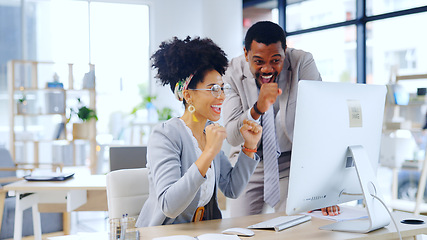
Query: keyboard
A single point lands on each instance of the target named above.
(281, 223)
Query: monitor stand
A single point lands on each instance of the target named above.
(378, 216)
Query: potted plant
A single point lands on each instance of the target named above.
(84, 129)
(164, 113)
(147, 102)
(150, 113)
(22, 105)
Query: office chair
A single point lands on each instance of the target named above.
(127, 191)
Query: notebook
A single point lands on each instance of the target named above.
(207, 236)
(49, 177)
(346, 213)
(281, 223)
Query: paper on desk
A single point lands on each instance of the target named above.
(207, 236)
(82, 236)
(347, 213)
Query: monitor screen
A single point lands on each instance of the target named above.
(125, 157)
(334, 123)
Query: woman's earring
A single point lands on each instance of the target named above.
(192, 109)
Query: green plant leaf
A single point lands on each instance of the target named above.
(84, 113)
(137, 107)
(164, 113)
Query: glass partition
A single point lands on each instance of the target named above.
(334, 52)
(313, 13)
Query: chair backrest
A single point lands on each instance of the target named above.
(6, 162)
(124, 157)
(127, 191)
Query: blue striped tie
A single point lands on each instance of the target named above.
(270, 155)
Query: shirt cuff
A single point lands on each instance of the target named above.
(251, 118)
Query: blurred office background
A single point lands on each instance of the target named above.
(357, 41)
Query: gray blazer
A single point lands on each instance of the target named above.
(299, 65)
(175, 180)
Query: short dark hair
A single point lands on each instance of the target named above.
(265, 32)
(178, 59)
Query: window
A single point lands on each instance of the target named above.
(113, 36)
(395, 48)
(334, 52)
(367, 46)
(266, 11)
(402, 59)
(120, 52)
(313, 13)
(375, 7)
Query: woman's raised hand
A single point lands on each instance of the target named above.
(215, 136)
(251, 132)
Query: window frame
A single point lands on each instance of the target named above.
(360, 22)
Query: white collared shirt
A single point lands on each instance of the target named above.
(207, 188)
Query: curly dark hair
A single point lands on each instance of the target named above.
(177, 59)
(265, 32)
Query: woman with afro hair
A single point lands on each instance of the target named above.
(185, 162)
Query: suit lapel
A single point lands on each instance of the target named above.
(285, 82)
(251, 90)
(249, 86)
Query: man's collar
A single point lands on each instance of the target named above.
(287, 63)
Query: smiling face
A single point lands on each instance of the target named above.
(207, 106)
(265, 61)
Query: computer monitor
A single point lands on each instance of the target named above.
(125, 157)
(336, 148)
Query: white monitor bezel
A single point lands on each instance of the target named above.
(324, 130)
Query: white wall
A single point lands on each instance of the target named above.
(220, 20)
(222, 23)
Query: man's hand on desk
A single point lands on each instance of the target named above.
(331, 211)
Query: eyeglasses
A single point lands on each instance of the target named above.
(216, 89)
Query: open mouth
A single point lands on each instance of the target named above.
(266, 78)
(216, 108)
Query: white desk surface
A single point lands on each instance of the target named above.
(308, 230)
(79, 193)
(86, 182)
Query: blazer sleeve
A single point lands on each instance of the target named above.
(233, 111)
(308, 69)
(233, 180)
(174, 188)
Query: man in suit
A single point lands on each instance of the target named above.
(265, 77)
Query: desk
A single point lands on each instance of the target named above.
(80, 193)
(307, 230)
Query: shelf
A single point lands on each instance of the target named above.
(407, 205)
(46, 108)
(39, 89)
(52, 89)
(81, 89)
(410, 117)
(41, 140)
(37, 114)
(413, 165)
